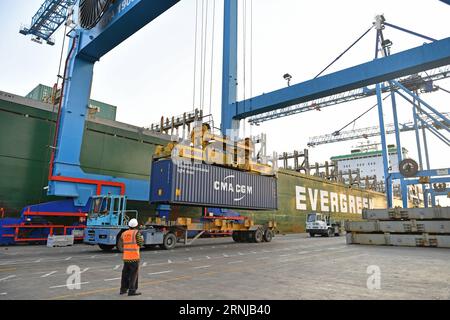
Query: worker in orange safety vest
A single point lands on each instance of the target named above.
(132, 241)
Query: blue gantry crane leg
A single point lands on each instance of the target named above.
(50, 16)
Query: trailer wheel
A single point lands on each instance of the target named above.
(268, 235)
(170, 241)
(258, 236)
(236, 236)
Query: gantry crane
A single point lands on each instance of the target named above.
(104, 24)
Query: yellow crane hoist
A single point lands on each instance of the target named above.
(211, 148)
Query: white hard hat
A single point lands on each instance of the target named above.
(133, 223)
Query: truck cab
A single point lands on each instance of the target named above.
(107, 219)
(322, 224)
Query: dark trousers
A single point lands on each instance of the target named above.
(130, 275)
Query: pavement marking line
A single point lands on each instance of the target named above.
(87, 293)
(116, 267)
(303, 252)
(84, 270)
(38, 260)
(7, 278)
(190, 259)
(161, 272)
(71, 284)
(3, 293)
(153, 282)
(234, 262)
(169, 261)
(225, 255)
(202, 267)
(6, 270)
(113, 279)
(68, 258)
(48, 274)
(208, 257)
(144, 264)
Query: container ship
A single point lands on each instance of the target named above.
(107, 144)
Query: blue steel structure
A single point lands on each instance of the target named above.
(382, 69)
(424, 80)
(66, 178)
(121, 20)
(50, 16)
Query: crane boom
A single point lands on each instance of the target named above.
(50, 16)
(419, 81)
(365, 133)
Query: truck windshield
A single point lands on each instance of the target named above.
(311, 217)
(99, 207)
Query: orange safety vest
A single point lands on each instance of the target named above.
(130, 246)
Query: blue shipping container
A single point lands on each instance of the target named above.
(198, 184)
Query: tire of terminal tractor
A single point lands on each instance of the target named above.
(312, 234)
(106, 247)
(170, 241)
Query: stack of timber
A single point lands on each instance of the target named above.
(414, 227)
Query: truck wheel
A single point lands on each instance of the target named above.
(170, 241)
(268, 235)
(330, 233)
(311, 234)
(236, 236)
(106, 247)
(258, 236)
(119, 244)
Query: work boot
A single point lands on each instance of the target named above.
(134, 293)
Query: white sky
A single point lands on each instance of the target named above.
(152, 73)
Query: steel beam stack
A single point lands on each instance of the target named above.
(415, 227)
